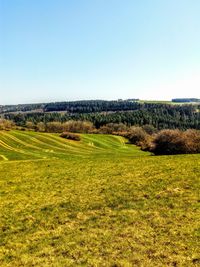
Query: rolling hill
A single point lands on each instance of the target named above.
(19, 145)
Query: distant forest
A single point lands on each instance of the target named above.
(100, 112)
(186, 100)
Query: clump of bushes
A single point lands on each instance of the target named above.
(6, 125)
(41, 127)
(169, 142)
(165, 142)
(30, 125)
(54, 127)
(136, 135)
(69, 126)
(78, 126)
(193, 141)
(172, 142)
(70, 136)
(112, 128)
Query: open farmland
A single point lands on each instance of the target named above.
(97, 202)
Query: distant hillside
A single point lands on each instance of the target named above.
(186, 100)
(21, 108)
(161, 116)
(83, 106)
(89, 106)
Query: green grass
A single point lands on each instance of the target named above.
(98, 202)
(18, 145)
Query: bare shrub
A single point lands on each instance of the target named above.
(137, 135)
(6, 124)
(30, 125)
(169, 142)
(112, 128)
(78, 126)
(146, 144)
(192, 139)
(54, 127)
(41, 127)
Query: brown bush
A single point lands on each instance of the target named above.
(149, 129)
(146, 144)
(112, 128)
(137, 136)
(41, 127)
(6, 124)
(30, 125)
(70, 136)
(169, 142)
(192, 139)
(78, 126)
(54, 127)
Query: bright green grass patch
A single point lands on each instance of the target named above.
(30, 145)
(98, 202)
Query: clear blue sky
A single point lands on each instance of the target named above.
(55, 50)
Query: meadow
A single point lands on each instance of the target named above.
(95, 202)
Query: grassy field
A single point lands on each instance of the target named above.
(97, 202)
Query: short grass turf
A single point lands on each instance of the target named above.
(98, 202)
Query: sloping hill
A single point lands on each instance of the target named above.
(18, 145)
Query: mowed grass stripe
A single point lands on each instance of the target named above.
(70, 149)
(94, 141)
(10, 145)
(19, 141)
(45, 145)
(21, 146)
(73, 147)
(77, 146)
(49, 145)
(47, 148)
(104, 142)
(48, 138)
(18, 144)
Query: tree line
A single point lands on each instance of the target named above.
(161, 116)
(90, 106)
(164, 142)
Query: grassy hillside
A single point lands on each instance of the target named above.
(19, 145)
(97, 202)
